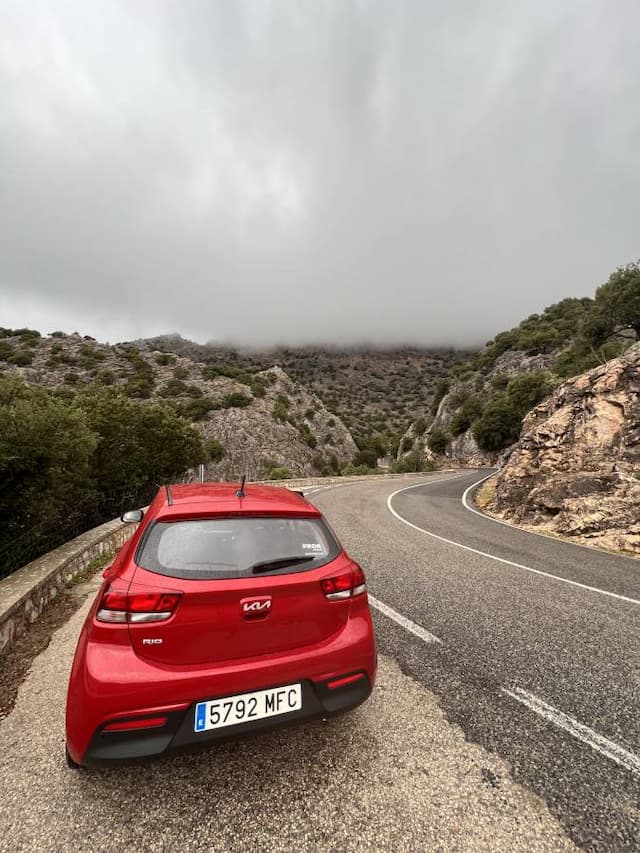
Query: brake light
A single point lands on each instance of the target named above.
(345, 585)
(137, 607)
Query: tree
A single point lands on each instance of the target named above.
(619, 299)
(46, 448)
(498, 426)
(138, 443)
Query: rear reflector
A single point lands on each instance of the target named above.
(342, 682)
(140, 723)
(346, 585)
(137, 607)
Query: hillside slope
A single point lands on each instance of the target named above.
(478, 416)
(576, 469)
(265, 423)
(371, 390)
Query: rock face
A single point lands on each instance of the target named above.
(255, 441)
(576, 468)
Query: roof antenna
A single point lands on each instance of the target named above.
(240, 493)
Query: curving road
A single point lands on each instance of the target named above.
(530, 646)
(539, 652)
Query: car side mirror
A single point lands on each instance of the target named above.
(133, 516)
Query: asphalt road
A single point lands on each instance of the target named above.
(440, 758)
(568, 655)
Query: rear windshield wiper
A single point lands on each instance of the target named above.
(276, 564)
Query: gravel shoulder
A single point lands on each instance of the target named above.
(392, 775)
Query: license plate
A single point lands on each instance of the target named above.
(233, 710)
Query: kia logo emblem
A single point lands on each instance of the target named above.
(259, 606)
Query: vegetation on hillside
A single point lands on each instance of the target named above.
(573, 336)
(62, 454)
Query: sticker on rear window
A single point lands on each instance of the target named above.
(312, 546)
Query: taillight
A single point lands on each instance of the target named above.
(137, 606)
(345, 585)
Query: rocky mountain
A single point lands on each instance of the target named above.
(576, 468)
(371, 390)
(477, 417)
(256, 421)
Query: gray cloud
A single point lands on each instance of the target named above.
(313, 171)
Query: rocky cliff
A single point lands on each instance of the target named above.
(576, 469)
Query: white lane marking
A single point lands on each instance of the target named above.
(501, 559)
(407, 624)
(578, 730)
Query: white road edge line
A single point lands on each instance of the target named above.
(578, 730)
(595, 589)
(405, 623)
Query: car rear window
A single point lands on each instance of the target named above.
(236, 547)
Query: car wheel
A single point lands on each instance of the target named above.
(71, 764)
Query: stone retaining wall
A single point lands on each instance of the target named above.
(26, 592)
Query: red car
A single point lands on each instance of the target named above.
(230, 610)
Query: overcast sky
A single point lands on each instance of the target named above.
(404, 171)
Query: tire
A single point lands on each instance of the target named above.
(71, 764)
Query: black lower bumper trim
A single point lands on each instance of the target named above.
(318, 700)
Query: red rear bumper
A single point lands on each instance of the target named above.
(110, 682)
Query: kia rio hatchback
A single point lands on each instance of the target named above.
(229, 611)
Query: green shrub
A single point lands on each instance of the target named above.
(139, 386)
(279, 473)
(106, 377)
(367, 458)
(164, 358)
(6, 350)
(180, 372)
(498, 426)
(174, 388)
(406, 444)
(236, 400)
(214, 450)
(420, 426)
(438, 441)
(22, 358)
(196, 410)
(412, 462)
(71, 378)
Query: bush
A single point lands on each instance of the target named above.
(105, 377)
(437, 442)
(6, 351)
(498, 426)
(367, 458)
(213, 450)
(281, 408)
(236, 400)
(279, 473)
(164, 358)
(174, 388)
(139, 386)
(180, 372)
(406, 444)
(420, 426)
(22, 358)
(412, 462)
(196, 410)
(470, 411)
